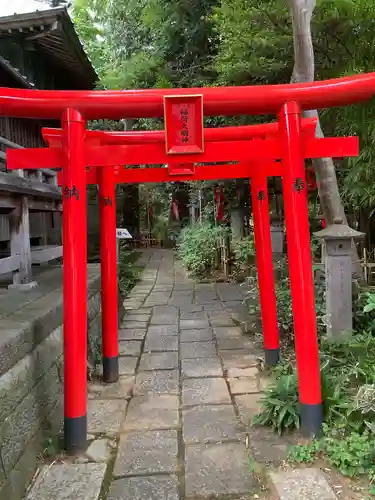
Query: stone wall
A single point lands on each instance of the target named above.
(31, 384)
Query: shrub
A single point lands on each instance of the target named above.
(352, 453)
(348, 392)
(284, 300)
(128, 271)
(244, 251)
(198, 246)
(364, 312)
(280, 405)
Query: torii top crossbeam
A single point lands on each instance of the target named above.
(260, 99)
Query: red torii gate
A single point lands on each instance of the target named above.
(289, 146)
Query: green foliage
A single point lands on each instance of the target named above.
(348, 392)
(255, 41)
(280, 405)
(347, 374)
(352, 453)
(370, 305)
(244, 251)
(128, 271)
(197, 248)
(364, 312)
(53, 445)
(148, 43)
(306, 452)
(256, 46)
(284, 300)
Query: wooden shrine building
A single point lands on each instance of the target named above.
(39, 50)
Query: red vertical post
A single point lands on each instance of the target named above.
(300, 270)
(266, 278)
(75, 282)
(108, 259)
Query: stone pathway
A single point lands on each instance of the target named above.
(176, 425)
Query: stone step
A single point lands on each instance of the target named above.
(62, 481)
(302, 484)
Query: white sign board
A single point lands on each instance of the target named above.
(123, 234)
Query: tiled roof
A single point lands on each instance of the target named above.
(22, 7)
(53, 32)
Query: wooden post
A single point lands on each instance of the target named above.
(20, 244)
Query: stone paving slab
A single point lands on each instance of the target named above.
(165, 311)
(243, 385)
(196, 391)
(237, 343)
(129, 324)
(213, 307)
(100, 450)
(220, 469)
(137, 317)
(267, 447)
(160, 330)
(196, 335)
(221, 321)
(239, 364)
(164, 319)
(105, 415)
(206, 424)
(195, 350)
(204, 367)
(130, 348)
(68, 481)
(190, 308)
(248, 406)
(153, 411)
(144, 488)
(159, 361)
(120, 390)
(131, 334)
(157, 382)
(227, 331)
(193, 324)
(193, 315)
(144, 453)
(161, 343)
(127, 365)
(302, 484)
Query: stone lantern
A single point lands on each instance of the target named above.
(337, 239)
(277, 235)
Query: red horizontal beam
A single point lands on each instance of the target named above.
(258, 99)
(201, 173)
(53, 136)
(257, 149)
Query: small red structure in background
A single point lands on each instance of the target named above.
(219, 203)
(291, 140)
(311, 179)
(175, 210)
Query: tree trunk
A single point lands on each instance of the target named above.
(301, 12)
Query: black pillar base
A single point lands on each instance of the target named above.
(110, 370)
(271, 357)
(311, 420)
(75, 434)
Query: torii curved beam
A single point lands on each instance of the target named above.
(259, 99)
